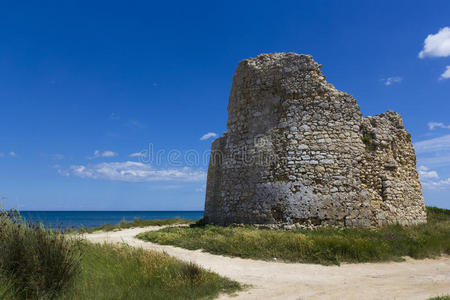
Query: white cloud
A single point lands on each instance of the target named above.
(440, 184)
(391, 80)
(433, 125)
(13, 154)
(433, 145)
(137, 154)
(434, 153)
(129, 171)
(107, 153)
(430, 179)
(446, 74)
(425, 173)
(208, 136)
(437, 45)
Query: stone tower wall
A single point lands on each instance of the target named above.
(298, 150)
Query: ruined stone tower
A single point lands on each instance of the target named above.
(298, 150)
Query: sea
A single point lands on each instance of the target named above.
(89, 219)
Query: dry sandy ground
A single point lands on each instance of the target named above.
(412, 279)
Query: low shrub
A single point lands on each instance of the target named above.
(39, 263)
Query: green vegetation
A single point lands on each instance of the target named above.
(138, 222)
(368, 141)
(122, 272)
(323, 245)
(440, 298)
(36, 263)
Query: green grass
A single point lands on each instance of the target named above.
(122, 272)
(440, 298)
(323, 246)
(136, 223)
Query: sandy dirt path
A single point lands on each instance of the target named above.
(412, 279)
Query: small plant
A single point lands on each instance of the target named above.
(368, 141)
(39, 263)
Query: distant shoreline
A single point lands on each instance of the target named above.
(90, 218)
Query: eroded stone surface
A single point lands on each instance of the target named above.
(298, 150)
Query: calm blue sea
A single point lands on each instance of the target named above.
(77, 219)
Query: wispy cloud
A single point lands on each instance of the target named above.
(435, 159)
(61, 171)
(129, 171)
(391, 80)
(114, 117)
(135, 124)
(434, 152)
(107, 153)
(433, 145)
(425, 173)
(433, 125)
(208, 136)
(137, 154)
(440, 184)
(57, 156)
(430, 179)
(437, 45)
(446, 74)
(10, 154)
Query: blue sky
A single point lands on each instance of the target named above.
(85, 86)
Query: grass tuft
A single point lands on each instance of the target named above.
(324, 245)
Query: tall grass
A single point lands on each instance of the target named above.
(121, 272)
(35, 263)
(323, 246)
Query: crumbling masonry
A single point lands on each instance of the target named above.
(297, 151)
